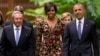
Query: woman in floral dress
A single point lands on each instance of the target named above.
(49, 39)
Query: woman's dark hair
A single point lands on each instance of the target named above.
(1, 18)
(48, 6)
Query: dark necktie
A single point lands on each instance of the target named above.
(17, 36)
(79, 29)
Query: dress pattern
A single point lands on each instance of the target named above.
(49, 41)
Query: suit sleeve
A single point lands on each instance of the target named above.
(2, 43)
(32, 44)
(95, 40)
(66, 42)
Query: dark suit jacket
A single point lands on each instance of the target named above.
(25, 46)
(73, 46)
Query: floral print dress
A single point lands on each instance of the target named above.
(49, 41)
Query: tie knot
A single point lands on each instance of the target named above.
(79, 21)
(17, 28)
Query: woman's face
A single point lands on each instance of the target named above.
(51, 13)
(67, 20)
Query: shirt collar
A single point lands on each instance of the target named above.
(82, 20)
(17, 27)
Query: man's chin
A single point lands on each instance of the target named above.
(79, 17)
(18, 25)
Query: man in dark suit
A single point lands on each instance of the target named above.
(21, 9)
(17, 39)
(80, 35)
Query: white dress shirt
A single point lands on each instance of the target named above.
(20, 28)
(82, 24)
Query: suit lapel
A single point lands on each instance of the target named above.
(11, 35)
(75, 28)
(23, 35)
(85, 28)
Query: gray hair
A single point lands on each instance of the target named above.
(16, 12)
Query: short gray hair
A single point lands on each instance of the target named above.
(16, 12)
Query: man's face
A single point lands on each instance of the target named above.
(18, 19)
(79, 11)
